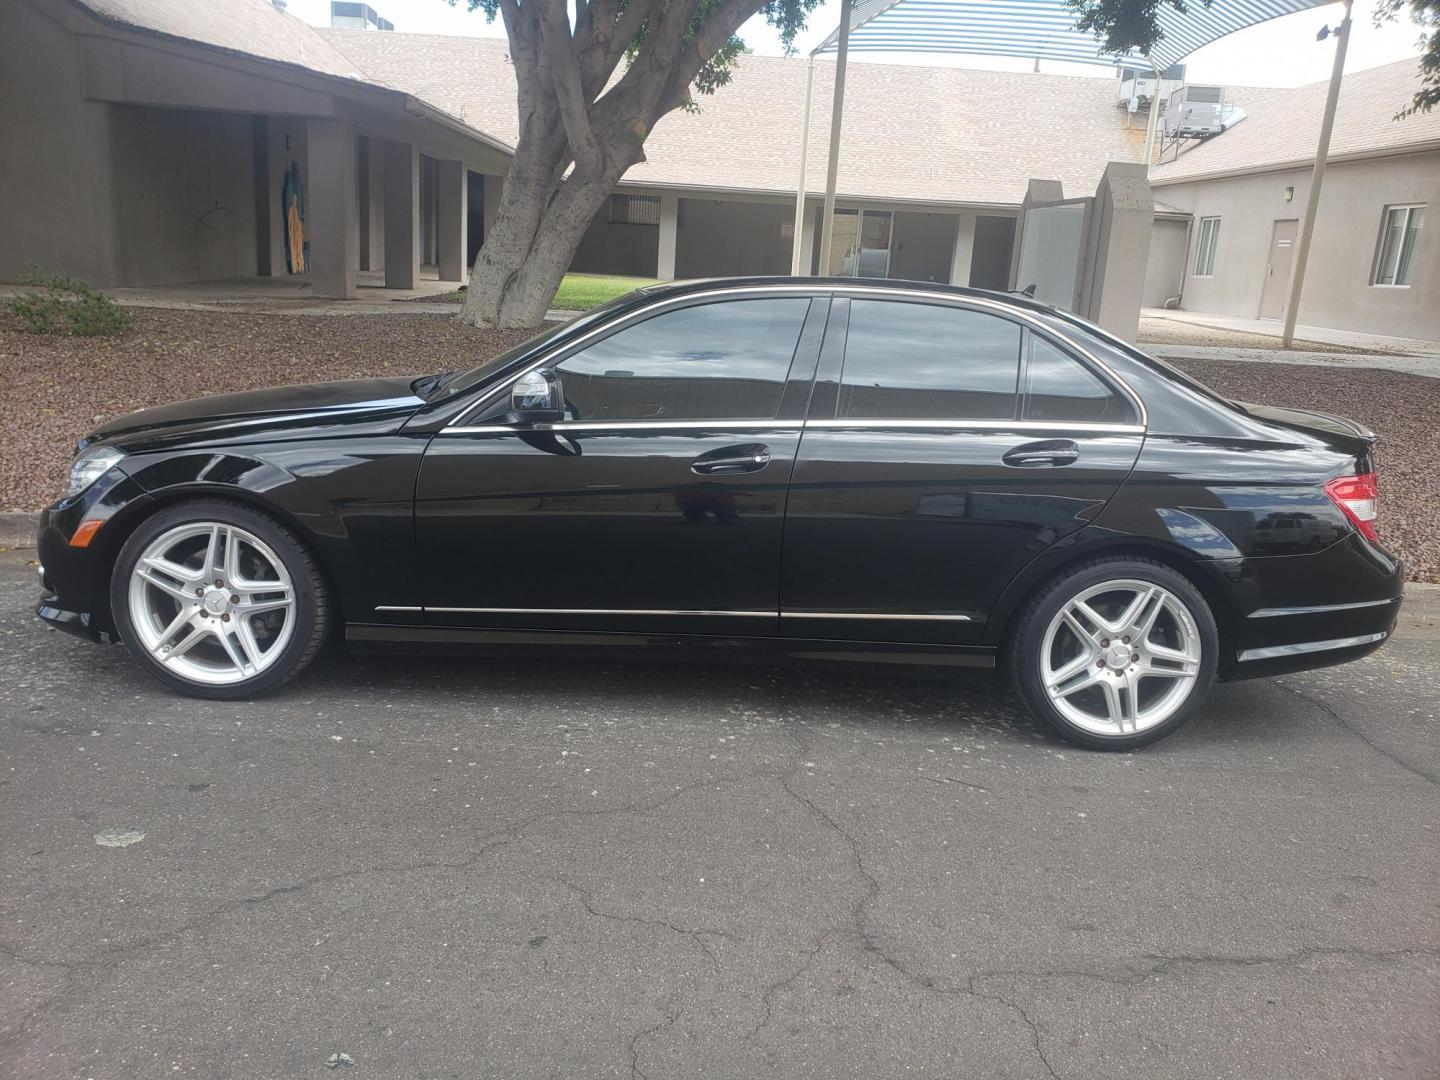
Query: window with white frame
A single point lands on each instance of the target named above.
(1205, 242)
(634, 209)
(1399, 237)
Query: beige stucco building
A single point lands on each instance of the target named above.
(161, 141)
(1372, 265)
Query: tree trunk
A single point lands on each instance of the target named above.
(538, 226)
(568, 126)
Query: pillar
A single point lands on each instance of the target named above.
(373, 255)
(451, 217)
(669, 230)
(402, 215)
(260, 161)
(331, 213)
(964, 250)
(1120, 248)
(807, 240)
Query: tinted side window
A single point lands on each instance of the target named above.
(922, 361)
(713, 361)
(1059, 387)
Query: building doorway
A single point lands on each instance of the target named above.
(861, 244)
(1276, 292)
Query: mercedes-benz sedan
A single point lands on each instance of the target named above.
(760, 468)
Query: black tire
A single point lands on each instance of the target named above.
(1027, 641)
(311, 608)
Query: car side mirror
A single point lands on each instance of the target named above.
(537, 398)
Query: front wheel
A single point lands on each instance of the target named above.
(218, 600)
(1115, 653)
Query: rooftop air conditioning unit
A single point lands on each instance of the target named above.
(1139, 85)
(1195, 112)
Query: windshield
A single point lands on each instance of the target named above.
(455, 382)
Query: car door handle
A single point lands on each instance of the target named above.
(732, 459)
(1048, 453)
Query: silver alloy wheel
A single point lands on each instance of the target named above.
(212, 602)
(1120, 657)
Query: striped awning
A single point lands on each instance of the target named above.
(1042, 29)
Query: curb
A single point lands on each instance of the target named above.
(17, 529)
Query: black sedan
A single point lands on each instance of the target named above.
(760, 468)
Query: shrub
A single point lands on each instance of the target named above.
(67, 305)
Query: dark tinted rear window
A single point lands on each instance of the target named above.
(1060, 387)
(924, 361)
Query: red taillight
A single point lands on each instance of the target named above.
(1358, 498)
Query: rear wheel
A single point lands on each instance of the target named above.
(1115, 653)
(218, 600)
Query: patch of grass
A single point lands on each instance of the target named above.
(68, 306)
(581, 292)
(578, 292)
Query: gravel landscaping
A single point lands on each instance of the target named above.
(52, 390)
(1179, 332)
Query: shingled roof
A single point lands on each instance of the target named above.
(1282, 127)
(912, 134)
(252, 27)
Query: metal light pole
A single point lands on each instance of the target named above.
(797, 246)
(1153, 126)
(837, 109)
(1312, 201)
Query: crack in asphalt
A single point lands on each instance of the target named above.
(672, 1014)
(695, 934)
(811, 955)
(871, 942)
(109, 957)
(1348, 726)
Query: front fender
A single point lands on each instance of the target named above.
(350, 500)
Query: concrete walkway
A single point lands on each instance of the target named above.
(1270, 328)
(292, 296)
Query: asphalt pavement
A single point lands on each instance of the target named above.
(463, 868)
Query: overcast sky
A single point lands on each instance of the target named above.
(1282, 52)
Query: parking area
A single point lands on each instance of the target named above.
(454, 867)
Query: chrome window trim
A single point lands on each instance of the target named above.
(633, 425)
(831, 291)
(797, 425)
(1302, 647)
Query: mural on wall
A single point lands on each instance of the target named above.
(297, 248)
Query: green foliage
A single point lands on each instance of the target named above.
(787, 16)
(65, 305)
(1123, 25)
(1426, 15)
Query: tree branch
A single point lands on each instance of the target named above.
(564, 77)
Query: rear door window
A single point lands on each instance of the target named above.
(907, 361)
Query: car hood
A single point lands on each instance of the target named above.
(261, 412)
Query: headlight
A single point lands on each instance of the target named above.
(89, 467)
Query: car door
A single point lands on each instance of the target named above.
(656, 504)
(948, 444)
